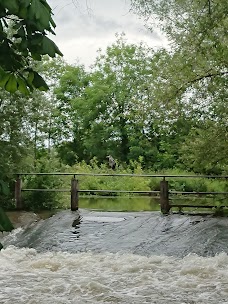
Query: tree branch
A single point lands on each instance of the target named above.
(200, 77)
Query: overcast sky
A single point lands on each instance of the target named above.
(84, 26)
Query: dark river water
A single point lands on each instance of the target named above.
(116, 257)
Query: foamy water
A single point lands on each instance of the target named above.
(29, 277)
(112, 257)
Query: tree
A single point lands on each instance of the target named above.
(24, 26)
(27, 122)
(205, 149)
(195, 74)
(197, 34)
(111, 110)
(27, 130)
(125, 113)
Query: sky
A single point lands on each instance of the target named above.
(84, 26)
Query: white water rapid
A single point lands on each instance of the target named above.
(116, 258)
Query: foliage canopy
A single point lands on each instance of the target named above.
(197, 33)
(24, 26)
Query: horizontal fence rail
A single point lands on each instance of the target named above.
(195, 206)
(196, 192)
(126, 174)
(94, 190)
(164, 192)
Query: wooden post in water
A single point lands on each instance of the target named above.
(18, 198)
(164, 196)
(74, 194)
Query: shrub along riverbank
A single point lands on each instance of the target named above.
(52, 200)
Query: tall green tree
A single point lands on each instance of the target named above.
(27, 122)
(204, 150)
(125, 112)
(197, 34)
(197, 68)
(111, 109)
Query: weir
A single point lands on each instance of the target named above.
(164, 193)
(116, 257)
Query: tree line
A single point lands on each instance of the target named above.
(163, 108)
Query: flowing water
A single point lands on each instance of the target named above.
(115, 257)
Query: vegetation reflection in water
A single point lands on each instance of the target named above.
(145, 203)
(120, 203)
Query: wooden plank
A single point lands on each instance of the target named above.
(18, 197)
(74, 194)
(164, 197)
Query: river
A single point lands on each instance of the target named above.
(92, 256)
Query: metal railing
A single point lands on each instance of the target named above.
(164, 192)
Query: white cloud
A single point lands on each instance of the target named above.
(84, 26)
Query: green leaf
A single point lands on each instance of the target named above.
(11, 85)
(49, 47)
(41, 13)
(30, 77)
(4, 188)
(52, 22)
(57, 50)
(44, 2)
(36, 57)
(36, 39)
(44, 17)
(21, 32)
(5, 222)
(23, 12)
(24, 45)
(1, 27)
(22, 86)
(4, 79)
(2, 12)
(11, 5)
(25, 3)
(39, 83)
(32, 10)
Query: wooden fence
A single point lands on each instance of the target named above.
(164, 192)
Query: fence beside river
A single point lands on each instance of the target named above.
(163, 193)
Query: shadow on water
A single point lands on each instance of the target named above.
(76, 224)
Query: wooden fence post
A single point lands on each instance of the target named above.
(74, 194)
(18, 198)
(164, 196)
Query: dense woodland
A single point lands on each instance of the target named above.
(151, 109)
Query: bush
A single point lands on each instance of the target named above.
(7, 192)
(51, 200)
(41, 200)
